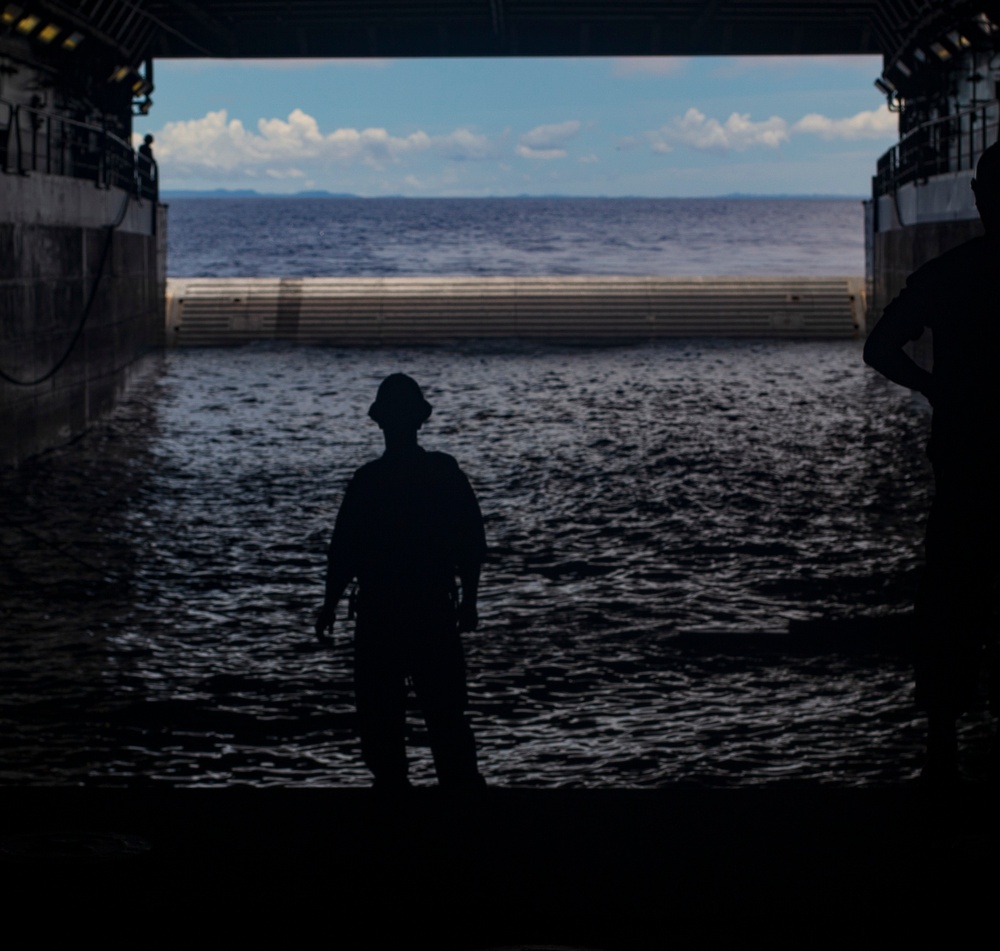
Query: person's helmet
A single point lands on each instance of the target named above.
(400, 401)
(148, 139)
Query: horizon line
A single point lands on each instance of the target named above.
(322, 193)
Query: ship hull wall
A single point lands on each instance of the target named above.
(55, 259)
(898, 253)
(913, 225)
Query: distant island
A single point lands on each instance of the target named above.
(171, 193)
(247, 193)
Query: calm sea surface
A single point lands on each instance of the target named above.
(668, 524)
(301, 237)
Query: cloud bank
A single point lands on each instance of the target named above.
(217, 148)
(874, 124)
(738, 133)
(217, 144)
(547, 141)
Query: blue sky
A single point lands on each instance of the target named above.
(656, 127)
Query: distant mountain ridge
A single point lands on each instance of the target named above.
(247, 193)
(170, 193)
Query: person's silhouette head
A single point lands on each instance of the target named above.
(399, 404)
(986, 186)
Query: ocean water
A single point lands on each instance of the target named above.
(697, 547)
(667, 526)
(302, 237)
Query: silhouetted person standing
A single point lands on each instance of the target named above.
(408, 524)
(146, 167)
(957, 297)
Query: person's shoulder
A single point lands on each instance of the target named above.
(368, 471)
(441, 461)
(440, 458)
(964, 257)
(443, 467)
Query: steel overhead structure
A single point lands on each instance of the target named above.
(131, 31)
(136, 30)
(392, 28)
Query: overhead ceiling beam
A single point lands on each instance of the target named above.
(214, 26)
(497, 16)
(703, 20)
(342, 28)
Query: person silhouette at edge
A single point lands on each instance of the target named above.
(146, 167)
(409, 522)
(957, 297)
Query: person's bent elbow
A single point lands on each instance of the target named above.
(874, 343)
(873, 353)
(882, 351)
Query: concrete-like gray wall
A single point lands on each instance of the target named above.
(53, 233)
(391, 311)
(899, 252)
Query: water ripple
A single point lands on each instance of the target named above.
(658, 516)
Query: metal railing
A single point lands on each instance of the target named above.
(950, 144)
(32, 140)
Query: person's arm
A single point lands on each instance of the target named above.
(337, 581)
(468, 612)
(902, 322)
(472, 552)
(340, 563)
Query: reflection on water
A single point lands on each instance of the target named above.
(644, 505)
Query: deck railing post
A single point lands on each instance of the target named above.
(102, 160)
(20, 151)
(5, 142)
(33, 118)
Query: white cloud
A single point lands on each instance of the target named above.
(649, 65)
(464, 145)
(589, 159)
(695, 130)
(217, 144)
(525, 152)
(872, 124)
(546, 141)
(738, 133)
(550, 136)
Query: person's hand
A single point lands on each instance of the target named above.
(468, 617)
(324, 620)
